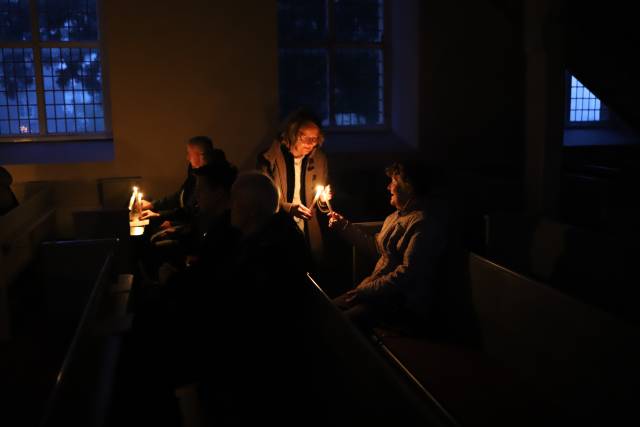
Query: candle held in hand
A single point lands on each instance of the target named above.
(134, 195)
(319, 191)
(139, 207)
(326, 196)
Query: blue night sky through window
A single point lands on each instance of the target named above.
(584, 106)
(68, 98)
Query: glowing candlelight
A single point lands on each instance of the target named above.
(139, 204)
(136, 226)
(133, 197)
(319, 191)
(326, 196)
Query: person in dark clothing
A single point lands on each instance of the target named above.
(172, 325)
(176, 235)
(180, 207)
(8, 200)
(193, 290)
(263, 363)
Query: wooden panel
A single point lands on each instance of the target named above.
(364, 386)
(581, 356)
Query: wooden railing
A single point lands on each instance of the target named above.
(82, 391)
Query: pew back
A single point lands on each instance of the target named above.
(80, 288)
(21, 231)
(364, 387)
(592, 266)
(583, 358)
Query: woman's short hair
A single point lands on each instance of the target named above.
(294, 122)
(412, 176)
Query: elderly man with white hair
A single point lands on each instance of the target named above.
(254, 201)
(261, 301)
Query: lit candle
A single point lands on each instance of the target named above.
(139, 204)
(319, 191)
(133, 197)
(326, 195)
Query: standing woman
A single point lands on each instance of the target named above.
(297, 165)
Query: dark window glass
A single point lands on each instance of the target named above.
(359, 87)
(18, 100)
(303, 81)
(73, 89)
(68, 20)
(358, 20)
(14, 20)
(332, 60)
(302, 20)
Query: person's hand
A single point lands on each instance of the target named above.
(148, 214)
(169, 230)
(146, 205)
(351, 296)
(300, 211)
(165, 225)
(337, 221)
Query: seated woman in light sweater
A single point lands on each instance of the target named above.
(410, 247)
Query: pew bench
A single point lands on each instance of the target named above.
(59, 365)
(583, 358)
(592, 266)
(546, 359)
(21, 232)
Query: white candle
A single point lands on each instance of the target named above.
(139, 203)
(319, 191)
(327, 197)
(133, 197)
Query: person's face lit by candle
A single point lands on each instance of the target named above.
(308, 138)
(400, 194)
(195, 156)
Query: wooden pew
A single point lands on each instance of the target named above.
(475, 388)
(63, 356)
(363, 388)
(585, 360)
(21, 231)
(594, 267)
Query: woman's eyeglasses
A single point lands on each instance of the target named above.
(307, 139)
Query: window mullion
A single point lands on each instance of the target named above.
(331, 61)
(37, 61)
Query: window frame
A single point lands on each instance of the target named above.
(605, 120)
(36, 45)
(331, 46)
